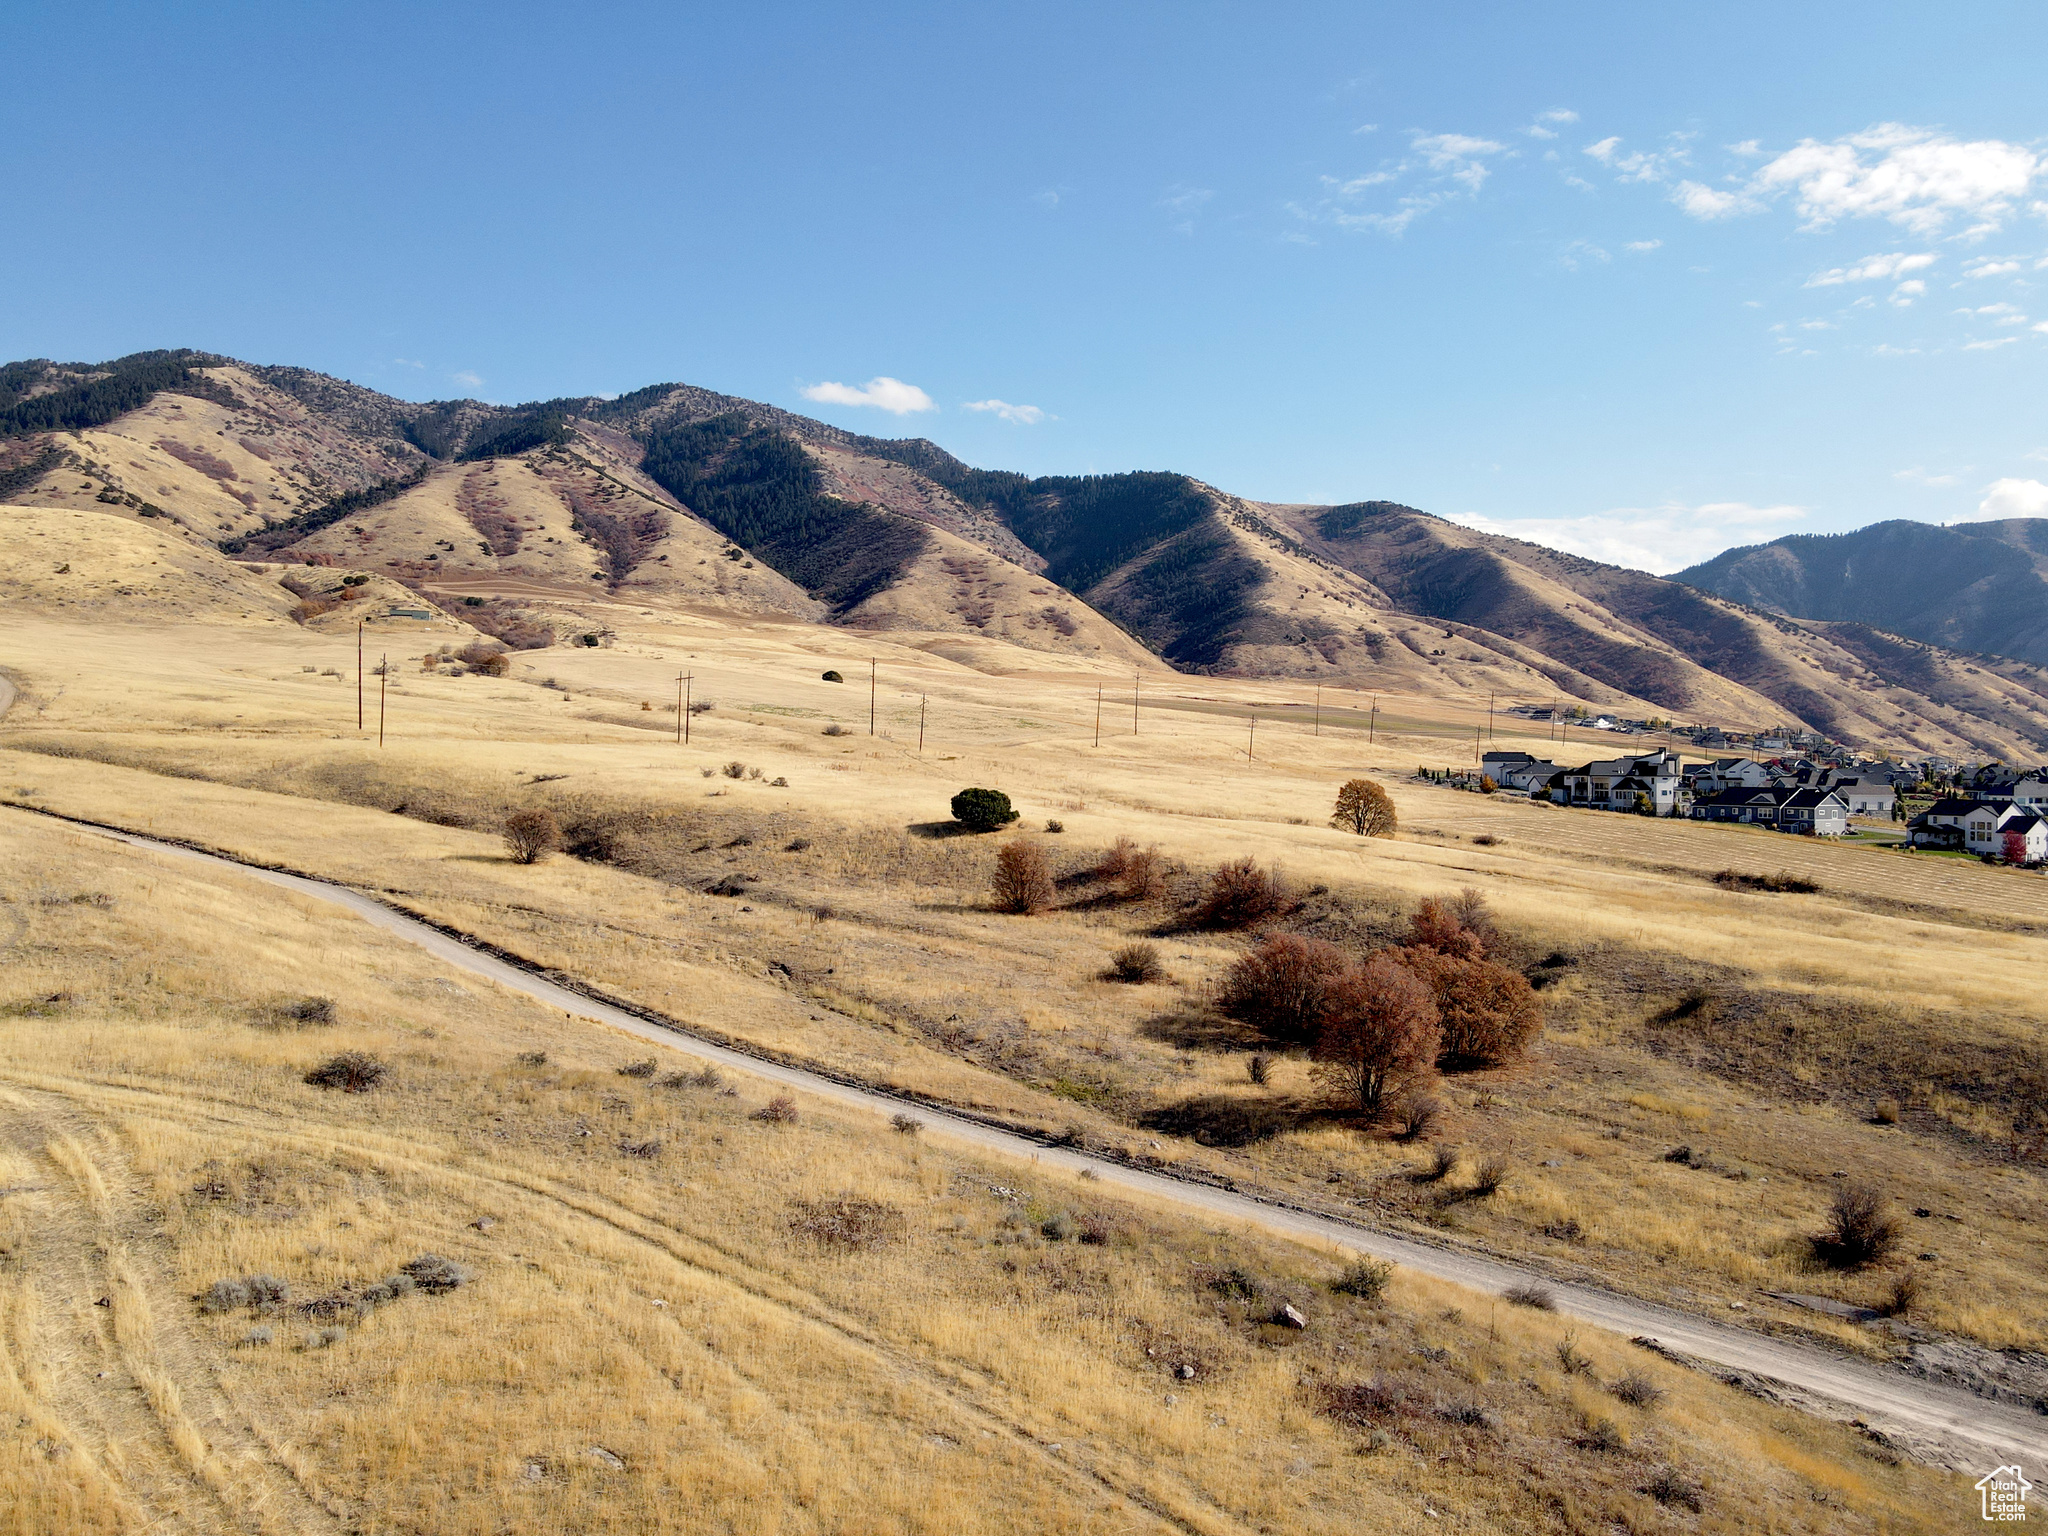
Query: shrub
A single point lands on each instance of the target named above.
(350, 1071)
(1138, 874)
(224, 1296)
(430, 1272)
(1638, 1391)
(1379, 1034)
(982, 810)
(1237, 1284)
(1367, 1280)
(532, 1058)
(833, 677)
(1492, 1173)
(1886, 1112)
(532, 834)
(641, 1149)
(1903, 1296)
(1487, 786)
(1136, 964)
(638, 1068)
(846, 1222)
(1281, 986)
(1055, 827)
(1784, 882)
(908, 1125)
(1470, 908)
(706, 1076)
(1419, 1117)
(734, 770)
(1528, 1294)
(1489, 1014)
(1259, 1068)
(780, 1110)
(1023, 878)
(1365, 808)
(1058, 1227)
(1241, 894)
(1671, 1486)
(1569, 1360)
(1436, 926)
(1861, 1228)
(487, 659)
(836, 729)
(304, 1011)
(1442, 1164)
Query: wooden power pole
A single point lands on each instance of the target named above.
(359, 674)
(1251, 740)
(1319, 709)
(920, 724)
(383, 683)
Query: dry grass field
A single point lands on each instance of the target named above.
(821, 908)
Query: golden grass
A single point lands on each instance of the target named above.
(647, 1344)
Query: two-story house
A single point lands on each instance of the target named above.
(1622, 783)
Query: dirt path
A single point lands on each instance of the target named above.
(1888, 1397)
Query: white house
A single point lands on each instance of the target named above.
(1866, 797)
(1730, 773)
(1986, 827)
(1615, 783)
(2031, 792)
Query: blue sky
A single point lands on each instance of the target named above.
(1634, 282)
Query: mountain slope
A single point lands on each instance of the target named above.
(1978, 587)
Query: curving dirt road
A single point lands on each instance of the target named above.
(1891, 1398)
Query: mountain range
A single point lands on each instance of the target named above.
(675, 494)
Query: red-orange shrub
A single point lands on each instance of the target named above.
(1379, 1036)
(1489, 1014)
(1280, 987)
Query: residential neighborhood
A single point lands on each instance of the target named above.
(1989, 811)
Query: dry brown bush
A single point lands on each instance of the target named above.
(487, 659)
(847, 1222)
(1136, 964)
(1489, 1014)
(1242, 895)
(1136, 874)
(1023, 879)
(350, 1071)
(1861, 1228)
(1379, 1033)
(780, 1110)
(532, 834)
(1281, 986)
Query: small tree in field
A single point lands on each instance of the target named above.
(1365, 808)
(1379, 1037)
(1437, 926)
(1242, 894)
(531, 835)
(983, 810)
(1280, 987)
(1023, 881)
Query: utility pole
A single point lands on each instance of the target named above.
(689, 699)
(871, 696)
(1475, 743)
(1489, 717)
(383, 683)
(1319, 709)
(1098, 714)
(1251, 740)
(1372, 721)
(920, 725)
(359, 674)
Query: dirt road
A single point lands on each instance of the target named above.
(1887, 1397)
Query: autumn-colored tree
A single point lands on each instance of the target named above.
(1023, 881)
(1489, 1014)
(532, 834)
(1437, 927)
(1365, 808)
(1379, 1038)
(1280, 986)
(2015, 847)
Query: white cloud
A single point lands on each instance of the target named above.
(1914, 177)
(883, 393)
(1579, 252)
(2014, 498)
(1367, 128)
(1988, 346)
(1048, 199)
(1920, 477)
(2042, 327)
(1542, 128)
(406, 362)
(1872, 269)
(1016, 415)
(1704, 202)
(1459, 156)
(2003, 314)
(474, 381)
(1185, 199)
(1908, 291)
(1639, 164)
(1643, 247)
(1661, 539)
(1990, 266)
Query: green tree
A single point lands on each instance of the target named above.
(982, 810)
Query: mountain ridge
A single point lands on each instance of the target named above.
(682, 494)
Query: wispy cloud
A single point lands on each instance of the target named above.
(465, 377)
(1047, 199)
(1873, 269)
(1440, 166)
(1921, 477)
(1016, 415)
(1643, 247)
(1181, 199)
(882, 392)
(2014, 498)
(406, 362)
(1582, 253)
(1639, 164)
(1547, 123)
(1990, 266)
(1660, 539)
(1989, 346)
